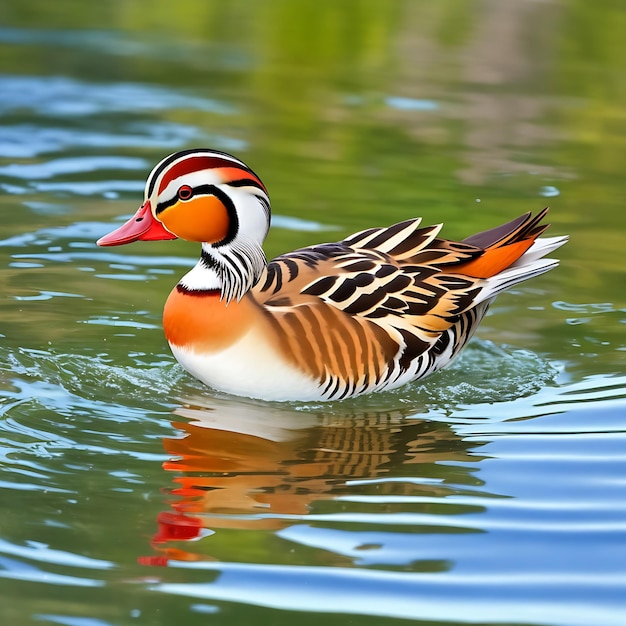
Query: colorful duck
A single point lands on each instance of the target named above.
(374, 311)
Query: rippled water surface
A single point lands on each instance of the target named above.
(492, 493)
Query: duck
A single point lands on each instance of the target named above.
(379, 309)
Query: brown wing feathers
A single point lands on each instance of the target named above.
(365, 310)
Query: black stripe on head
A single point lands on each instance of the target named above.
(200, 190)
(245, 182)
(223, 197)
(233, 218)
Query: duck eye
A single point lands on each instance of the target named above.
(185, 192)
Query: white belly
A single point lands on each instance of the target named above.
(251, 367)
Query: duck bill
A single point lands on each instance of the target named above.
(140, 227)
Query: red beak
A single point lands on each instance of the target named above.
(140, 227)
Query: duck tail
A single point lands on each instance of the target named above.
(513, 252)
(514, 244)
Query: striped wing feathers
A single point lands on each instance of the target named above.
(392, 274)
(360, 312)
(389, 305)
(405, 240)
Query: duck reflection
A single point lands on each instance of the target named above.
(248, 465)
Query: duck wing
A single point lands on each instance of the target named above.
(387, 305)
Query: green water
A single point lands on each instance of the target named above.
(493, 493)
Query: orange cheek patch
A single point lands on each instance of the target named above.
(200, 219)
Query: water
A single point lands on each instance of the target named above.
(493, 493)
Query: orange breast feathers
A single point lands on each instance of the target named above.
(203, 323)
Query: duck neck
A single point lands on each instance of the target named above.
(228, 270)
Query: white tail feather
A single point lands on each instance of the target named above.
(539, 249)
(529, 265)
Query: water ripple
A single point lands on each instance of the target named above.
(400, 595)
(28, 140)
(42, 553)
(56, 96)
(71, 165)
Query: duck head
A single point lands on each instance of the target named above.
(210, 197)
(198, 195)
